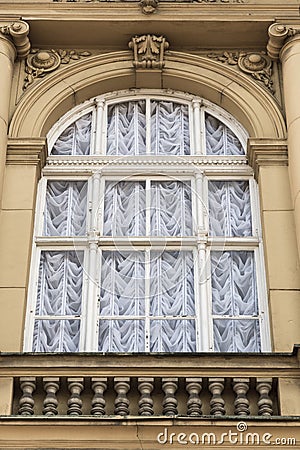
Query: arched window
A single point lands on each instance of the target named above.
(147, 235)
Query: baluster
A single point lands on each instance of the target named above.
(26, 403)
(216, 387)
(99, 386)
(122, 386)
(241, 403)
(51, 386)
(194, 404)
(75, 386)
(169, 386)
(146, 386)
(265, 404)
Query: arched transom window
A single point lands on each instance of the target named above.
(147, 235)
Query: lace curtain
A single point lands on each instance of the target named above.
(129, 299)
(59, 294)
(234, 294)
(65, 211)
(229, 208)
(127, 128)
(75, 139)
(170, 208)
(220, 140)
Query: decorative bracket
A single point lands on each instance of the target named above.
(18, 32)
(148, 6)
(278, 33)
(148, 51)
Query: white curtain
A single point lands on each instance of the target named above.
(75, 139)
(170, 134)
(172, 295)
(125, 208)
(220, 140)
(171, 208)
(229, 208)
(59, 294)
(126, 128)
(65, 211)
(123, 293)
(234, 294)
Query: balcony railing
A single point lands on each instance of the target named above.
(122, 385)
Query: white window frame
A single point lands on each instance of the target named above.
(98, 167)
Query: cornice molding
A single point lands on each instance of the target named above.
(278, 34)
(267, 152)
(27, 152)
(17, 31)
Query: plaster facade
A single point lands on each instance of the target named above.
(54, 55)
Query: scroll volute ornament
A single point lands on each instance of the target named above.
(148, 51)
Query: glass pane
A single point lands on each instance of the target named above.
(75, 139)
(126, 128)
(60, 283)
(56, 336)
(236, 335)
(220, 140)
(172, 336)
(121, 336)
(171, 208)
(122, 284)
(229, 208)
(170, 133)
(65, 211)
(233, 281)
(125, 209)
(172, 284)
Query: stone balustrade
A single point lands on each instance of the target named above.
(145, 396)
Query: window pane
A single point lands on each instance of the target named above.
(125, 209)
(236, 335)
(121, 336)
(229, 208)
(56, 336)
(172, 336)
(65, 211)
(172, 284)
(171, 208)
(220, 140)
(122, 284)
(233, 281)
(126, 128)
(170, 133)
(60, 283)
(75, 140)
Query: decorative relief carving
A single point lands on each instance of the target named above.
(258, 65)
(41, 62)
(148, 51)
(148, 6)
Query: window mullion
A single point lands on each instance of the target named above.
(99, 127)
(147, 299)
(148, 207)
(197, 127)
(204, 301)
(148, 126)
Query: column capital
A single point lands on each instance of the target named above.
(17, 32)
(278, 34)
